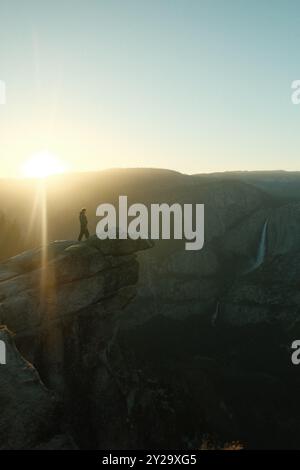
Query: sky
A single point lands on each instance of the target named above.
(191, 85)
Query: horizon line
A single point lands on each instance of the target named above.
(162, 169)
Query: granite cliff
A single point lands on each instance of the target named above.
(114, 345)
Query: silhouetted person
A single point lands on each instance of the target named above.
(83, 225)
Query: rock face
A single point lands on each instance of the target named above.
(160, 348)
(176, 283)
(96, 386)
(27, 407)
(62, 305)
(234, 317)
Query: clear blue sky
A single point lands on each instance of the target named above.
(189, 85)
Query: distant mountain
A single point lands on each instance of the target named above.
(281, 184)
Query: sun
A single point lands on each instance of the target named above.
(41, 165)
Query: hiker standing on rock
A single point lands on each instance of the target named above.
(83, 225)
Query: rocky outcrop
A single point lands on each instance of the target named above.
(62, 305)
(93, 388)
(97, 385)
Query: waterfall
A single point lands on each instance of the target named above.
(215, 314)
(262, 248)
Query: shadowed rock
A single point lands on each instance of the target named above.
(63, 298)
(28, 410)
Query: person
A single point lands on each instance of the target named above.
(83, 225)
